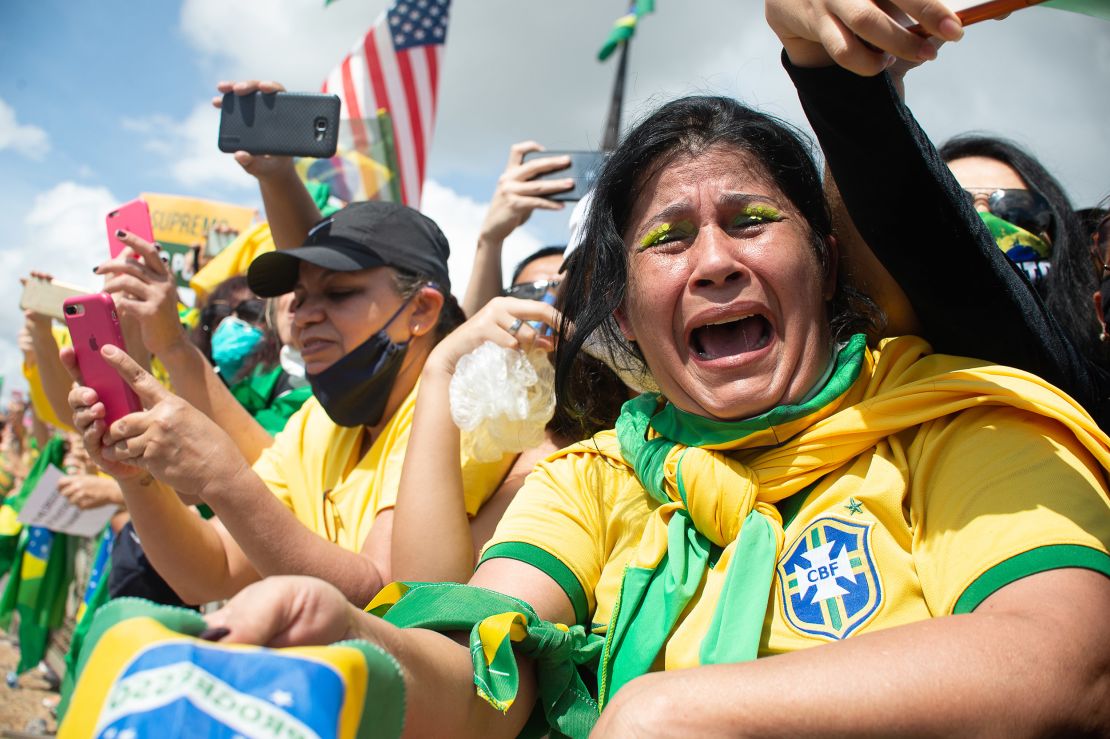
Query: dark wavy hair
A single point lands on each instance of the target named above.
(1070, 282)
(597, 272)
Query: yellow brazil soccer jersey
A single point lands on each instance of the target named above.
(314, 468)
(939, 517)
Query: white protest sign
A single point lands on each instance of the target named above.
(48, 508)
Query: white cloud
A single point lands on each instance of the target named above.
(460, 219)
(189, 148)
(64, 235)
(30, 141)
(1032, 78)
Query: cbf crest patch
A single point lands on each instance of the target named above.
(830, 585)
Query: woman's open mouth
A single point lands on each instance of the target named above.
(730, 337)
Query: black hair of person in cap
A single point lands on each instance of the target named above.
(360, 236)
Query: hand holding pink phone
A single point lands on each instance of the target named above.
(93, 323)
(133, 217)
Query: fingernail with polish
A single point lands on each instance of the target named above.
(214, 633)
(119, 233)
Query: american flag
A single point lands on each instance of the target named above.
(388, 86)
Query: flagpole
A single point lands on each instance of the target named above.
(613, 126)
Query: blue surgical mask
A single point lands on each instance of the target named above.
(232, 342)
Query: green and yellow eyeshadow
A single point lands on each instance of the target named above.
(665, 232)
(757, 213)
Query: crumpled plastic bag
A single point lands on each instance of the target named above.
(502, 399)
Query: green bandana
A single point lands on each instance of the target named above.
(499, 627)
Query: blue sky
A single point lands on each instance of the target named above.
(101, 101)
(78, 69)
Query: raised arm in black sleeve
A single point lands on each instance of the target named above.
(970, 299)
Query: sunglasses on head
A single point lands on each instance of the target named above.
(531, 290)
(250, 310)
(1023, 208)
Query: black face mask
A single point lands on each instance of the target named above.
(354, 390)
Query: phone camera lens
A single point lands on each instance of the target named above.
(71, 310)
(321, 124)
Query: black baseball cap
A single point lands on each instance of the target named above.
(362, 235)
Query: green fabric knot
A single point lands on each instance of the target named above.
(546, 642)
(494, 619)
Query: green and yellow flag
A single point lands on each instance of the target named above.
(625, 27)
(10, 526)
(144, 671)
(39, 575)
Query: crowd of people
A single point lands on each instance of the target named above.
(819, 441)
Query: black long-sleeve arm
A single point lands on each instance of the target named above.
(970, 299)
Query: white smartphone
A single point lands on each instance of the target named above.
(45, 297)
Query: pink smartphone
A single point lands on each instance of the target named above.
(93, 322)
(133, 217)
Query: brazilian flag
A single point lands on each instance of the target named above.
(144, 671)
(625, 27)
(39, 575)
(10, 527)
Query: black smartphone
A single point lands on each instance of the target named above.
(584, 168)
(299, 124)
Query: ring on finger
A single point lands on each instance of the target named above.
(516, 326)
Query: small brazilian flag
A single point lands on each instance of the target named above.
(39, 573)
(625, 27)
(37, 586)
(10, 527)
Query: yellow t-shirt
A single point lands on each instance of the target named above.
(314, 468)
(39, 404)
(952, 511)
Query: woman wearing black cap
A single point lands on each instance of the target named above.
(371, 300)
